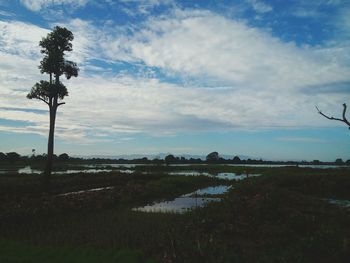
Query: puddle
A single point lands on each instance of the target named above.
(28, 170)
(190, 173)
(225, 176)
(340, 203)
(127, 171)
(87, 191)
(212, 190)
(83, 171)
(186, 202)
(178, 205)
(234, 176)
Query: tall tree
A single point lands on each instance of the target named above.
(52, 92)
(343, 119)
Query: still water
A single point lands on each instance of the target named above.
(186, 202)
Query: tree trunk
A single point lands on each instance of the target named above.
(50, 146)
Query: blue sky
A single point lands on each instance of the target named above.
(237, 77)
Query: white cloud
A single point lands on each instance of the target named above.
(37, 5)
(203, 44)
(21, 38)
(301, 139)
(260, 6)
(265, 79)
(137, 7)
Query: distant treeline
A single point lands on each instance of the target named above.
(211, 158)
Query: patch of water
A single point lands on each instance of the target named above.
(211, 190)
(28, 170)
(178, 205)
(83, 171)
(186, 202)
(225, 176)
(190, 173)
(127, 171)
(234, 176)
(337, 202)
(87, 191)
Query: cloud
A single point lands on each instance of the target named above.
(301, 139)
(244, 78)
(143, 7)
(37, 5)
(205, 45)
(259, 6)
(6, 13)
(21, 38)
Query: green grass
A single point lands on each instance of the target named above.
(15, 252)
(278, 217)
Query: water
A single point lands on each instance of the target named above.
(337, 202)
(130, 168)
(178, 205)
(28, 170)
(211, 190)
(234, 176)
(225, 176)
(186, 202)
(83, 171)
(292, 165)
(190, 173)
(86, 191)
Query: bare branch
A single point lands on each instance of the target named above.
(344, 119)
(43, 100)
(61, 103)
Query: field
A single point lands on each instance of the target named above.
(284, 215)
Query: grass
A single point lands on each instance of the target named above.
(279, 217)
(14, 252)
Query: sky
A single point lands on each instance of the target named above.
(182, 77)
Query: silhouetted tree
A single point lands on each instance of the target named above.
(339, 161)
(212, 157)
(3, 157)
(63, 157)
(236, 159)
(170, 159)
(53, 91)
(13, 157)
(344, 119)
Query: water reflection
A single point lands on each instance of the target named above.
(83, 171)
(178, 205)
(28, 170)
(211, 190)
(337, 202)
(190, 173)
(234, 176)
(86, 191)
(225, 176)
(186, 202)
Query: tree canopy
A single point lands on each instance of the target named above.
(54, 63)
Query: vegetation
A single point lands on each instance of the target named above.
(282, 216)
(286, 215)
(51, 92)
(15, 158)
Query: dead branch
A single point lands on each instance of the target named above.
(344, 119)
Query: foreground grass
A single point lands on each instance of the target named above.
(279, 217)
(14, 252)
